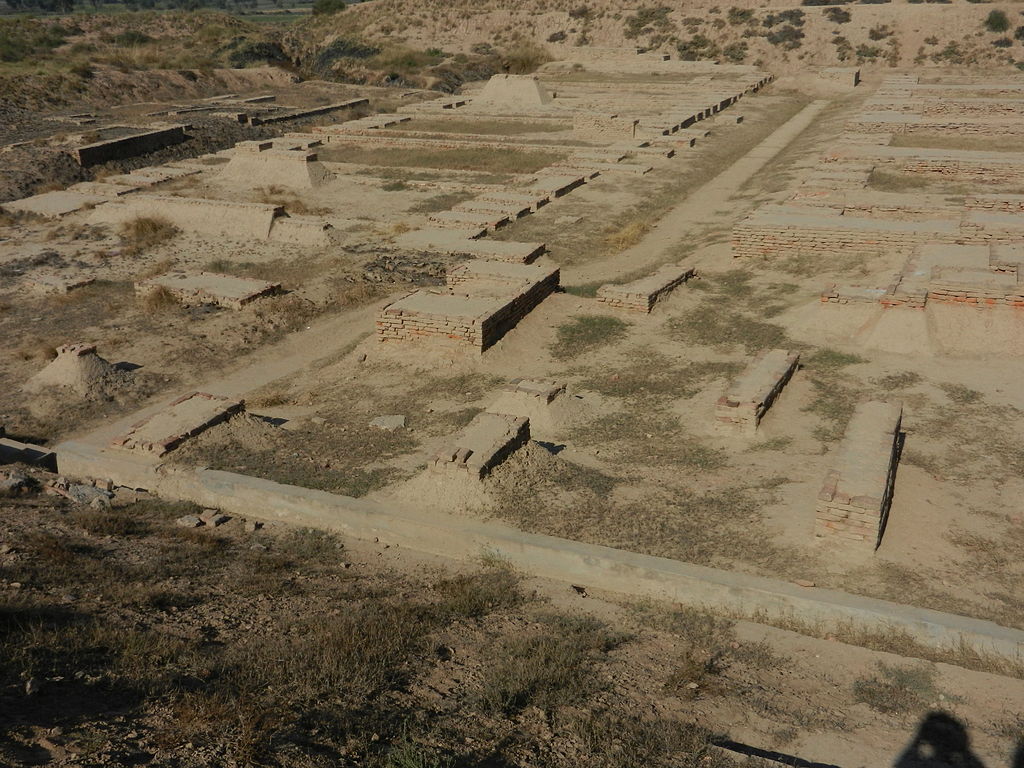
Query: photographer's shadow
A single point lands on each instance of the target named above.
(942, 742)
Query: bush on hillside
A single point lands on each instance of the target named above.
(788, 38)
(997, 21)
(837, 15)
(793, 17)
(735, 52)
(1002, 42)
(737, 16)
(328, 7)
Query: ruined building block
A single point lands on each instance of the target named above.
(486, 442)
(641, 295)
(473, 322)
(752, 393)
(499, 278)
(193, 288)
(184, 418)
(453, 243)
(129, 146)
(853, 504)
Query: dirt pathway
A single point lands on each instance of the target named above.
(706, 204)
(289, 356)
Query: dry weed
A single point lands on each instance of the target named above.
(144, 232)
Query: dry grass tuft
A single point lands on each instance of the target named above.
(144, 232)
(159, 299)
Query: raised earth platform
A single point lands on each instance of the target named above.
(641, 295)
(487, 441)
(192, 288)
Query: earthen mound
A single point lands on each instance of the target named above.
(79, 369)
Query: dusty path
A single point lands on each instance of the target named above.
(291, 355)
(704, 205)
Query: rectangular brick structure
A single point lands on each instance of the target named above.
(753, 392)
(486, 442)
(453, 243)
(500, 278)
(641, 295)
(853, 504)
(471, 322)
(184, 418)
(192, 288)
(140, 143)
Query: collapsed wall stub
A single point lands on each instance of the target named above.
(141, 143)
(547, 403)
(854, 500)
(194, 288)
(256, 163)
(753, 392)
(57, 285)
(181, 419)
(641, 295)
(847, 76)
(488, 440)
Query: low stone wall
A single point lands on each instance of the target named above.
(641, 295)
(853, 504)
(129, 146)
(965, 171)
(486, 442)
(301, 113)
(453, 243)
(752, 393)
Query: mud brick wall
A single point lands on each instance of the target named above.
(641, 295)
(853, 504)
(752, 238)
(1004, 203)
(965, 171)
(752, 394)
(129, 146)
(466, 281)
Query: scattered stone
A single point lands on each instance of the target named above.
(13, 483)
(213, 517)
(388, 423)
(83, 494)
(188, 521)
(803, 583)
(251, 526)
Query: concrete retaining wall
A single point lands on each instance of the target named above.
(595, 566)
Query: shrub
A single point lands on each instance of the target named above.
(525, 58)
(1002, 42)
(997, 21)
(837, 15)
(868, 52)
(557, 37)
(256, 52)
(788, 38)
(644, 18)
(794, 17)
(697, 47)
(1019, 33)
(581, 12)
(131, 38)
(82, 69)
(144, 232)
(737, 16)
(736, 52)
(328, 7)
(879, 33)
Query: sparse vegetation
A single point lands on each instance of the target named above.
(997, 21)
(898, 690)
(585, 333)
(143, 233)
